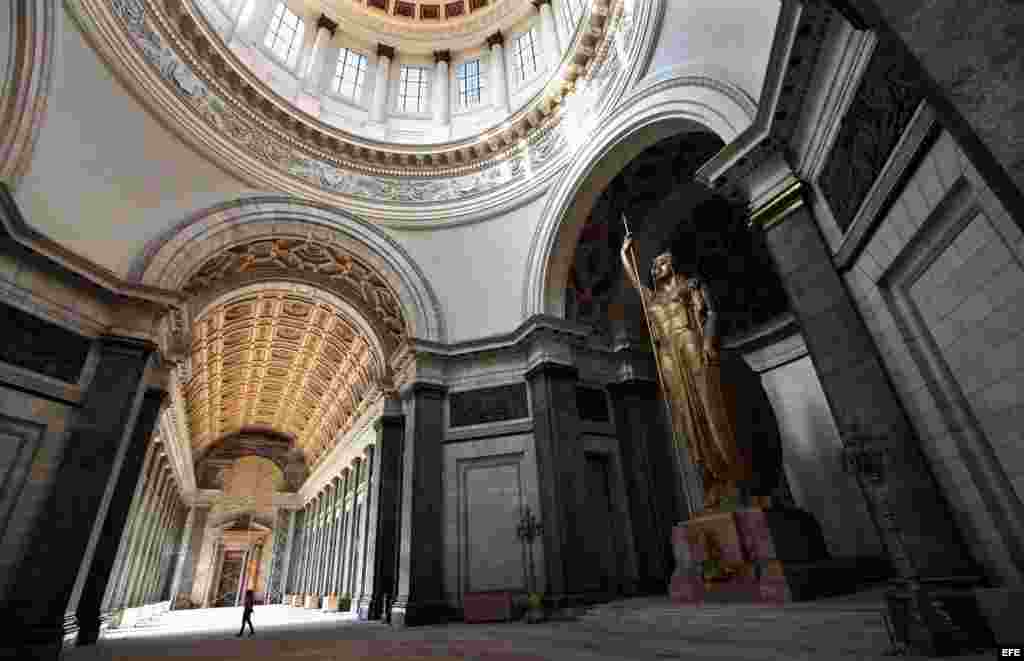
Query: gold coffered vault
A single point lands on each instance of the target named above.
(278, 360)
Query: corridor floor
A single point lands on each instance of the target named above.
(637, 629)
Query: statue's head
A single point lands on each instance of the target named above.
(662, 267)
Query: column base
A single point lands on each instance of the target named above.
(370, 607)
(419, 613)
(312, 601)
(330, 603)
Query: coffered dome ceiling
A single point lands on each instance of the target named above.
(423, 25)
(278, 360)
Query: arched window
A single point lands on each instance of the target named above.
(524, 56)
(470, 83)
(284, 34)
(350, 74)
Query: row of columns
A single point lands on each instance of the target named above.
(332, 551)
(311, 61)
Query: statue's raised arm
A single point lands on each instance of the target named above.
(629, 264)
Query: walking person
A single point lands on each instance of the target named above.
(247, 612)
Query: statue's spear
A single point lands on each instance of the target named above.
(661, 378)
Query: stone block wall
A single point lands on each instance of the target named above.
(940, 285)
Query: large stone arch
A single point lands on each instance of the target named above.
(685, 98)
(317, 237)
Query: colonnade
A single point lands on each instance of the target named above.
(333, 540)
(145, 561)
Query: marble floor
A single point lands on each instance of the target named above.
(636, 629)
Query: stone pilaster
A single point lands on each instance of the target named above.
(71, 522)
(560, 465)
(652, 484)
(421, 552)
(332, 536)
(857, 387)
(381, 577)
(90, 600)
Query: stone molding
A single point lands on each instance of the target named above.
(25, 91)
(265, 139)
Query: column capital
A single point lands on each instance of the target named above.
(538, 3)
(779, 206)
(369, 450)
(356, 461)
(496, 39)
(386, 51)
(327, 24)
(336, 480)
(553, 369)
(345, 472)
(443, 56)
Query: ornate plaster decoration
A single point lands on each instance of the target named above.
(221, 107)
(279, 360)
(320, 241)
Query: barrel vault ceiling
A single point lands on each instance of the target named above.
(276, 360)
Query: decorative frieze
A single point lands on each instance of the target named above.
(290, 145)
(485, 405)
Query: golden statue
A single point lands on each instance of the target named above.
(682, 320)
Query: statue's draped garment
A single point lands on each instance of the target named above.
(697, 401)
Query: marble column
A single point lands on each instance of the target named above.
(499, 77)
(421, 552)
(549, 34)
(332, 536)
(140, 528)
(361, 591)
(149, 592)
(385, 54)
(124, 549)
(285, 567)
(353, 533)
(90, 599)
(387, 491)
(191, 546)
(295, 563)
(325, 29)
(442, 87)
(61, 546)
(339, 585)
(212, 595)
(154, 550)
(860, 393)
(653, 490)
(560, 466)
(315, 558)
(325, 572)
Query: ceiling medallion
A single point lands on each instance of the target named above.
(199, 74)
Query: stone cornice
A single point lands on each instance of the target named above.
(182, 70)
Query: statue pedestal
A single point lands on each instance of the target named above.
(755, 555)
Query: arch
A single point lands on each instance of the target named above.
(687, 97)
(255, 516)
(278, 448)
(172, 258)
